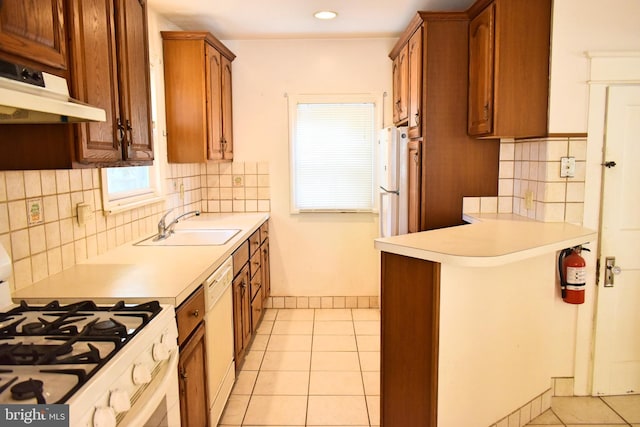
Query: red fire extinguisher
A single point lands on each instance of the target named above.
(573, 274)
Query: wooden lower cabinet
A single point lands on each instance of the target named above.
(251, 285)
(410, 301)
(192, 371)
(266, 269)
(414, 160)
(241, 314)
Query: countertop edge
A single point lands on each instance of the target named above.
(431, 249)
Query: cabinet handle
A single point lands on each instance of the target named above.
(196, 313)
(120, 132)
(486, 111)
(183, 374)
(130, 129)
(417, 118)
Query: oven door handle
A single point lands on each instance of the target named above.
(156, 390)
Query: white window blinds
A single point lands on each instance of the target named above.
(332, 156)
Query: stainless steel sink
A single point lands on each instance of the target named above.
(193, 237)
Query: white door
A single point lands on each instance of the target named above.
(617, 334)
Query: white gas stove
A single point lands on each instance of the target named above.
(112, 364)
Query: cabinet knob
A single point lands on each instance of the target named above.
(196, 313)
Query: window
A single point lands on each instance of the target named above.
(332, 153)
(128, 187)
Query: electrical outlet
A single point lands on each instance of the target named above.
(528, 200)
(567, 167)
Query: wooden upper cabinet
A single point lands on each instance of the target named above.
(110, 56)
(33, 33)
(134, 79)
(400, 86)
(415, 84)
(481, 35)
(197, 69)
(509, 47)
(227, 110)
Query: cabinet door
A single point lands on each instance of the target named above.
(266, 270)
(34, 31)
(414, 176)
(400, 85)
(256, 311)
(133, 57)
(227, 113)
(241, 314)
(415, 84)
(213, 68)
(95, 81)
(481, 72)
(192, 374)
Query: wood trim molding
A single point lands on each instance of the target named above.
(419, 19)
(199, 35)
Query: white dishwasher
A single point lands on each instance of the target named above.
(221, 372)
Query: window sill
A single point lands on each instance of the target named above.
(115, 209)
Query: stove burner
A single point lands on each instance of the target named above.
(105, 328)
(105, 325)
(28, 390)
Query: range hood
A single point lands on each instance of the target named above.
(31, 96)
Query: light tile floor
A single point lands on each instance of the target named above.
(610, 411)
(310, 367)
(320, 367)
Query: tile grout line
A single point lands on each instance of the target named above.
(313, 328)
(259, 370)
(614, 410)
(364, 392)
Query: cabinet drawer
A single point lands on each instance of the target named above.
(264, 231)
(254, 241)
(189, 314)
(255, 284)
(254, 265)
(240, 258)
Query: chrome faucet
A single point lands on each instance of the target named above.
(164, 230)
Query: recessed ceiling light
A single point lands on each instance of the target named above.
(325, 14)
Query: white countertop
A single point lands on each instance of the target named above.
(135, 274)
(490, 240)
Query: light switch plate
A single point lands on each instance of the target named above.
(567, 167)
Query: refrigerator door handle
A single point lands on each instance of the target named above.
(389, 191)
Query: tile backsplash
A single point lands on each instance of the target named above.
(530, 169)
(55, 241)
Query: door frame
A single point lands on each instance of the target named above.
(605, 69)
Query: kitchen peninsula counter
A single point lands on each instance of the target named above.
(489, 240)
(137, 273)
(467, 320)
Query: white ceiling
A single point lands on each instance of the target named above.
(255, 19)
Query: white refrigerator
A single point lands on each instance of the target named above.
(393, 181)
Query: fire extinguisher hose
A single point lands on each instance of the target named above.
(563, 281)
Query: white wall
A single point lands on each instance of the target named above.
(311, 254)
(580, 26)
